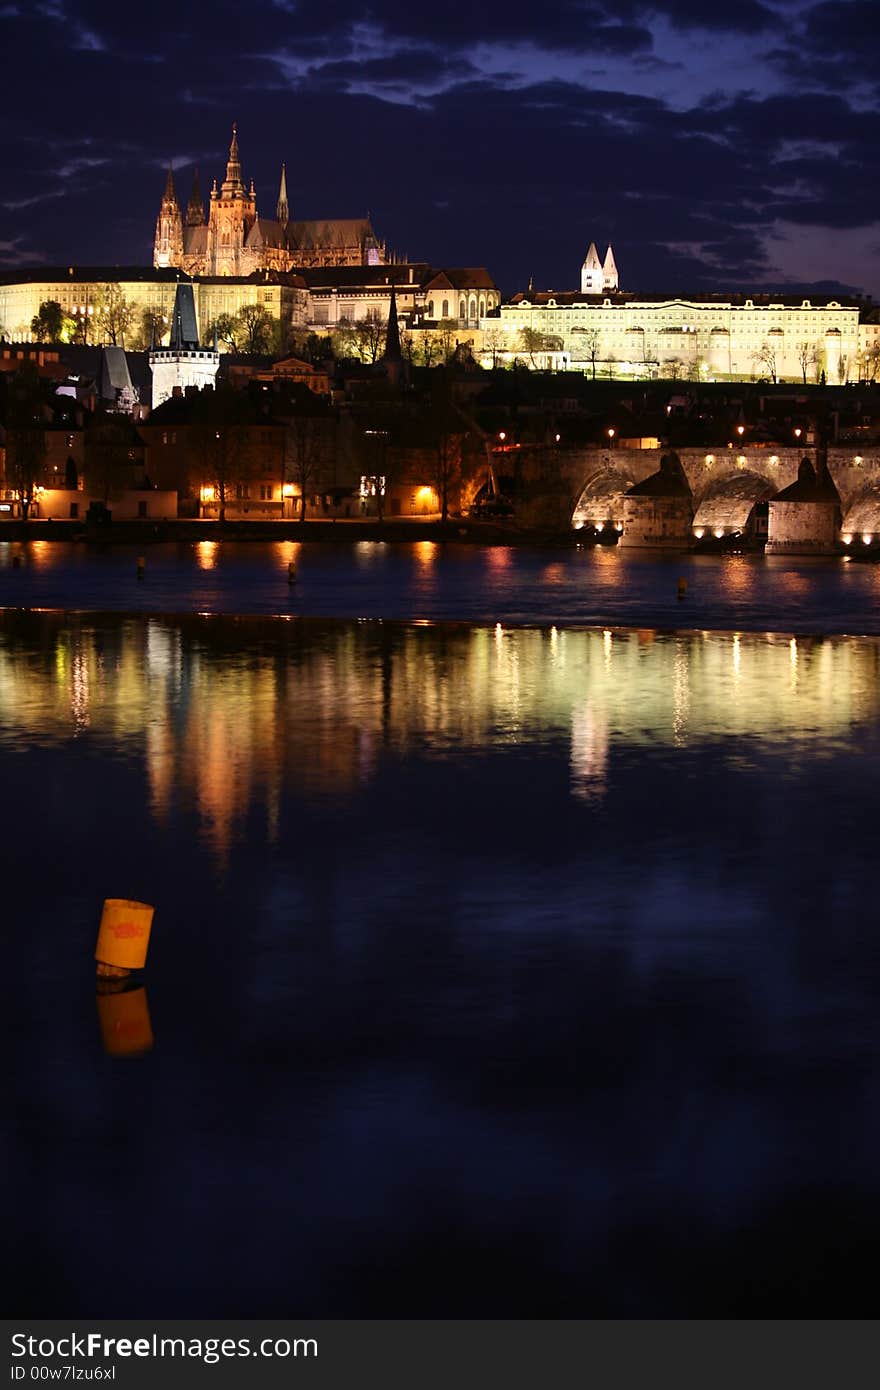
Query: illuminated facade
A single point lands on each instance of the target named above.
(711, 338)
(234, 240)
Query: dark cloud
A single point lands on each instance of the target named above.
(393, 108)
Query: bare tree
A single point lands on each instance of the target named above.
(306, 443)
(766, 358)
(370, 335)
(445, 430)
(446, 331)
(114, 316)
(871, 362)
(807, 355)
(221, 420)
(590, 342)
(494, 342)
(673, 368)
(532, 341)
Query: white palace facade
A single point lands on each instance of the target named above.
(604, 331)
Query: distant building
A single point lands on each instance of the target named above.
(234, 240)
(612, 333)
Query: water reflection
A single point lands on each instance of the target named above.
(124, 1019)
(224, 711)
(498, 972)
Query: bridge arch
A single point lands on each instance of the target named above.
(601, 498)
(728, 505)
(861, 519)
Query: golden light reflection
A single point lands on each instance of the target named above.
(681, 693)
(738, 574)
(288, 552)
(229, 716)
(39, 554)
(498, 557)
(426, 553)
(206, 554)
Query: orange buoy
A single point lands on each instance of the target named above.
(123, 936)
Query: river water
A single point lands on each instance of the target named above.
(501, 966)
(450, 582)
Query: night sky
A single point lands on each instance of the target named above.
(717, 143)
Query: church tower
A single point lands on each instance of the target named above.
(591, 272)
(282, 211)
(609, 271)
(195, 208)
(168, 243)
(233, 212)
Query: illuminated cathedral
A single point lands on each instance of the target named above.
(234, 240)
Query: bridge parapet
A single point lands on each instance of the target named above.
(854, 473)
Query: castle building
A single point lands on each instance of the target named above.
(234, 240)
(601, 330)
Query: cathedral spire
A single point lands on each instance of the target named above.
(232, 183)
(168, 241)
(195, 211)
(283, 211)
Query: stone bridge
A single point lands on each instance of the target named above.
(594, 481)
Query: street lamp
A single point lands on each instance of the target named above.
(610, 433)
(740, 429)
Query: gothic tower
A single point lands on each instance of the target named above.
(195, 209)
(232, 213)
(168, 244)
(591, 272)
(283, 211)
